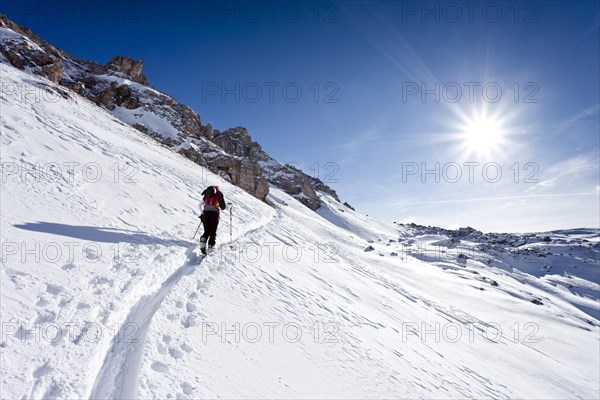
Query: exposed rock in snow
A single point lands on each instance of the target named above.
(121, 87)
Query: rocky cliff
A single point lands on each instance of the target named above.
(120, 87)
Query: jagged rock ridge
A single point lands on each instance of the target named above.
(120, 87)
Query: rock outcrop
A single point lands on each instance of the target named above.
(293, 181)
(24, 50)
(120, 87)
(117, 95)
(129, 67)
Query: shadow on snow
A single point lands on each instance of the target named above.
(100, 234)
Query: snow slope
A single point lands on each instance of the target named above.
(94, 216)
(104, 295)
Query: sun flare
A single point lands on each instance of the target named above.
(482, 135)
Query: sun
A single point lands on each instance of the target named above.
(482, 135)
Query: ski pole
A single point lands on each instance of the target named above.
(197, 229)
(230, 223)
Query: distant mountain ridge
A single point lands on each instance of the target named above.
(120, 87)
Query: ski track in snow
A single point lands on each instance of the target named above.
(117, 378)
(119, 373)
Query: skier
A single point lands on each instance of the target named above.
(212, 203)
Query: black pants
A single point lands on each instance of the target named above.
(210, 220)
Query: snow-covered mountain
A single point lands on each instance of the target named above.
(120, 87)
(103, 294)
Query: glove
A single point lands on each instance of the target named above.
(201, 216)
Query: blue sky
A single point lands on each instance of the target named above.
(430, 112)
